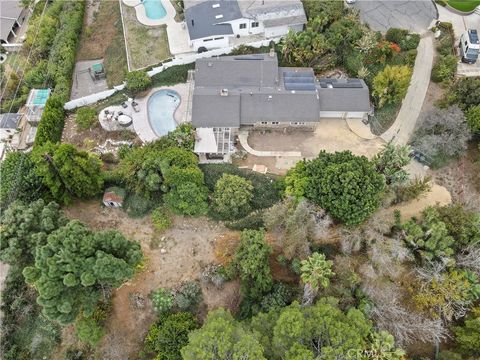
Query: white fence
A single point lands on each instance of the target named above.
(180, 60)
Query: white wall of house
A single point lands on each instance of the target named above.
(343, 114)
(248, 27)
(211, 42)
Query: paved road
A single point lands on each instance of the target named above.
(402, 129)
(414, 15)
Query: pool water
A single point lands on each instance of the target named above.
(161, 107)
(154, 9)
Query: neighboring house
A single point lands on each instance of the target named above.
(253, 91)
(9, 136)
(212, 23)
(12, 17)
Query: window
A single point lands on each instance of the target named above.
(219, 38)
(218, 16)
(243, 26)
(274, 122)
(205, 40)
(264, 122)
(298, 123)
(255, 24)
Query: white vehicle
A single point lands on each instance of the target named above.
(469, 46)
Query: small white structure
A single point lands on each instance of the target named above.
(213, 23)
(35, 104)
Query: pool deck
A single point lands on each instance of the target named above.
(177, 33)
(141, 123)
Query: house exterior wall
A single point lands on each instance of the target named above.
(281, 30)
(281, 125)
(343, 114)
(211, 42)
(249, 30)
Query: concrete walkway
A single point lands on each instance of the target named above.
(243, 137)
(403, 127)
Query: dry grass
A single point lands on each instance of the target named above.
(147, 45)
(102, 38)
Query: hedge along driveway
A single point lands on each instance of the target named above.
(464, 5)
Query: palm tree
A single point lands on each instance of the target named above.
(316, 272)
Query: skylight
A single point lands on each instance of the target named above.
(215, 6)
(218, 16)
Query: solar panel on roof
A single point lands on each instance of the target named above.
(303, 81)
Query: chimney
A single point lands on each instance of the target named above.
(224, 92)
(272, 52)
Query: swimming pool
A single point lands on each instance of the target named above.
(154, 9)
(161, 107)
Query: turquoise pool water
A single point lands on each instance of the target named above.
(154, 9)
(161, 107)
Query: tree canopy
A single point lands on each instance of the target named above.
(345, 185)
(68, 172)
(75, 264)
(232, 196)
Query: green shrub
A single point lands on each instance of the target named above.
(137, 81)
(188, 296)
(166, 337)
(85, 118)
(395, 35)
(161, 218)
(187, 199)
(173, 75)
(444, 69)
(412, 190)
(253, 221)
(162, 300)
(89, 330)
(391, 84)
(232, 196)
(137, 205)
(403, 38)
(445, 45)
(266, 189)
(473, 118)
(52, 122)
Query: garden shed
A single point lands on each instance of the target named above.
(114, 197)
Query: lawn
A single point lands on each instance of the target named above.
(147, 45)
(464, 5)
(103, 39)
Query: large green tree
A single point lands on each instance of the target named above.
(18, 179)
(468, 336)
(68, 172)
(25, 227)
(232, 196)
(391, 162)
(251, 261)
(347, 186)
(75, 264)
(221, 337)
(390, 85)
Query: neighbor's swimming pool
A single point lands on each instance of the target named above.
(154, 9)
(161, 107)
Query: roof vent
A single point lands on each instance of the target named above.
(215, 6)
(218, 16)
(224, 92)
(209, 64)
(270, 97)
(330, 85)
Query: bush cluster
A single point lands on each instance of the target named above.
(444, 69)
(173, 75)
(403, 38)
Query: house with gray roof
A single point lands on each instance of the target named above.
(12, 17)
(213, 23)
(252, 91)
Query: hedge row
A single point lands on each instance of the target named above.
(61, 63)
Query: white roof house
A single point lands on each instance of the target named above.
(213, 23)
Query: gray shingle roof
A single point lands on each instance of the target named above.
(212, 110)
(342, 97)
(10, 9)
(237, 71)
(202, 18)
(9, 120)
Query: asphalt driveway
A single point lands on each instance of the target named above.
(414, 15)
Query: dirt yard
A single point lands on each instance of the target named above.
(95, 136)
(147, 45)
(462, 178)
(102, 38)
(330, 135)
(188, 245)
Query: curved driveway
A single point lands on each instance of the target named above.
(414, 15)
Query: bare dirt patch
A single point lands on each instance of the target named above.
(462, 178)
(189, 245)
(95, 136)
